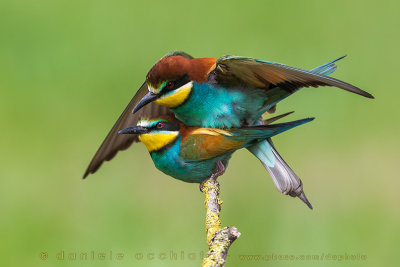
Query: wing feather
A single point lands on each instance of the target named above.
(115, 142)
(206, 143)
(231, 70)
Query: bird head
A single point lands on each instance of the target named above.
(155, 133)
(170, 80)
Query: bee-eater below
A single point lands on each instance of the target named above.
(193, 154)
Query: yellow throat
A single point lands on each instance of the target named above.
(176, 97)
(157, 140)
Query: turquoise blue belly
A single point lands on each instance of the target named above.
(169, 162)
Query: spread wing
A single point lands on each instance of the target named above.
(233, 70)
(115, 142)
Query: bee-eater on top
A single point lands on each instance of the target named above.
(227, 92)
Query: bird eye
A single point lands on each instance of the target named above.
(169, 85)
(160, 125)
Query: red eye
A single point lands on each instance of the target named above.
(170, 85)
(160, 125)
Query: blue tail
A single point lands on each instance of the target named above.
(264, 131)
(285, 180)
(327, 68)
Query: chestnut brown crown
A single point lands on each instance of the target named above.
(174, 67)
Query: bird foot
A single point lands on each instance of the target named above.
(219, 172)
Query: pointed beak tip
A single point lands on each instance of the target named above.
(129, 130)
(149, 97)
(124, 131)
(133, 130)
(135, 109)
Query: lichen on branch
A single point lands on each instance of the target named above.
(218, 239)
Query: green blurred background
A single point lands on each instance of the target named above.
(68, 68)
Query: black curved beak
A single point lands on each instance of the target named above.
(134, 130)
(149, 97)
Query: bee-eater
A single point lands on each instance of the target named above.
(191, 153)
(230, 91)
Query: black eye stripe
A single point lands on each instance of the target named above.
(167, 126)
(172, 85)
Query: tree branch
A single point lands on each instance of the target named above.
(218, 240)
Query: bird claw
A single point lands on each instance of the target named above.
(214, 176)
(221, 170)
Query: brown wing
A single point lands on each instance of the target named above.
(231, 70)
(115, 142)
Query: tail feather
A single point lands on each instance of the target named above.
(271, 120)
(284, 178)
(327, 68)
(265, 131)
